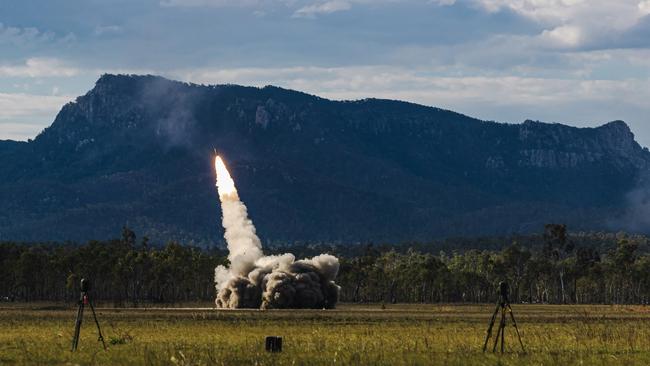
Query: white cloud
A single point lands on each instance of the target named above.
(327, 7)
(443, 2)
(301, 8)
(220, 3)
(19, 131)
(644, 7)
(574, 23)
(22, 116)
(544, 10)
(39, 67)
(21, 105)
(29, 36)
(563, 36)
(21, 36)
(423, 87)
(567, 23)
(101, 30)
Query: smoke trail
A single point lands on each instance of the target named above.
(253, 280)
(244, 246)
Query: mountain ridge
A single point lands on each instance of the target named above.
(137, 149)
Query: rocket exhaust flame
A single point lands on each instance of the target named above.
(225, 184)
(257, 281)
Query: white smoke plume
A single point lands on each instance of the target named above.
(269, 282)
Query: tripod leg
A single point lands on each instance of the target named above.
(489, 331)
(77, 325)
(514, 322)
(99, 330)
(503, 332)
(499, 331)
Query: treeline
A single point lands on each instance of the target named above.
(125, 272)
(554, 268)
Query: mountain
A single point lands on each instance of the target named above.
(139, 150)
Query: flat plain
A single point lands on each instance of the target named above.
(40, 334)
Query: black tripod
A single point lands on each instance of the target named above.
(504, 305)
(83, 301)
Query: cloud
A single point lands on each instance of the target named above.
(442, 2)
(644, 7)
(17, 36)
(39, 67)
(563, 36)
(303, 8)
(567, 24)
(328, 7)
(101, 30)
(219, 3)
(576, 23)
(423, 87)
(21, 36)
(22, 116)
(21, 105)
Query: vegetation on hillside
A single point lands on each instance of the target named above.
(139, 151)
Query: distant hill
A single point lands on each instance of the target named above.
(138, 150)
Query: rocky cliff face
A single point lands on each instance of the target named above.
(563, 146)
(137, 150)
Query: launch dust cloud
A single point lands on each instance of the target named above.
(269, 282)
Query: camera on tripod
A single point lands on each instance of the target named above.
(503, 305)
(84, 300)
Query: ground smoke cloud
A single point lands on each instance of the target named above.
(268, 282)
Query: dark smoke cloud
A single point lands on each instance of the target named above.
(281, 282)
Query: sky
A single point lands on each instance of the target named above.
(579, 62)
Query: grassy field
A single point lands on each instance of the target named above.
(350, 335)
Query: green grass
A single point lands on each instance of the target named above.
(350, 335)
